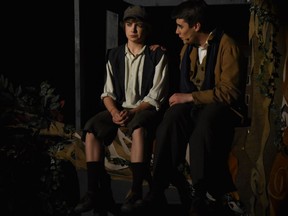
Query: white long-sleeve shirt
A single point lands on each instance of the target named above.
(133, 80)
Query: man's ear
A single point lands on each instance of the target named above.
(197, 26)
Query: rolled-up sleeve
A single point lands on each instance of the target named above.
(108, 86)
(159, 91)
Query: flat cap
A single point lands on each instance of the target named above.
(136, 12)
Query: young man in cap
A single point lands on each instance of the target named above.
(135, 89)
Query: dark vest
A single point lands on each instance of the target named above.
(186, 85)
(116, 56)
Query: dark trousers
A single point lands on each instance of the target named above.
(172, 138)
(209, 131)
(210, 144)
(102, 126)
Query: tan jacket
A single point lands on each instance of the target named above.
(229, 75)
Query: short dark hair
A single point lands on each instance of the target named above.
(193, 11)
(146, 25)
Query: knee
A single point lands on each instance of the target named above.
(89, 136)
(173, 113)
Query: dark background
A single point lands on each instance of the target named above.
(39, 44)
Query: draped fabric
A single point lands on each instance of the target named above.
(264, 149)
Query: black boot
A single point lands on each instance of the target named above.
(154, 203)
(108, 203)
(201, 204)
(99, 196)
(184, 189)
(92, 197)
(87, 203)
(139, 172)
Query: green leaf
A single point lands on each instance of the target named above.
(6, 82)
(18, 91)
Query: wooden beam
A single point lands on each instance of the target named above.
(78, 77)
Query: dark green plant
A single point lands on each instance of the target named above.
(268, 25)
(24, 112)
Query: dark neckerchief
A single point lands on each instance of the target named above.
(211, 57)
(185, 84)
